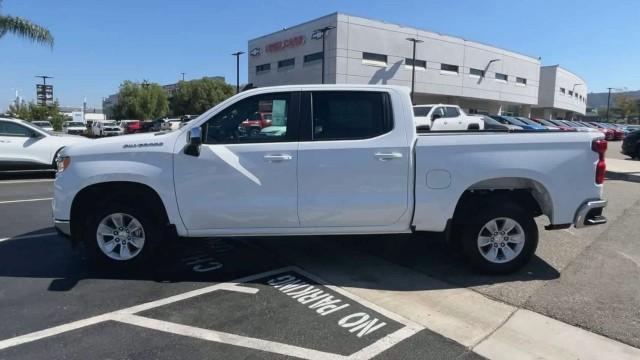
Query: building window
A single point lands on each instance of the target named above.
(476, 72)
(562, 91)
(287, 63)
(501, 77)
(521, 81)
(570, 93)
(263, 68)
(449, 68)
(374, 59)
(313, 57)
(419, 63)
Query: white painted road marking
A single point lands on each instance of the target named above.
(3, 182)
(28, 236)
(24, 200)
(128, 316)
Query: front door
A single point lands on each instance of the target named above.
(354, 162)
(244, 177)
(20, 149)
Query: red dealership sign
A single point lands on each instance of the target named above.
(285, 44)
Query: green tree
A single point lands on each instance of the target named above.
(197, 96)
(141, 101)
(24, 28)
(625, 105)
(30, 111)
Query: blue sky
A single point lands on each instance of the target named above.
(101, 43)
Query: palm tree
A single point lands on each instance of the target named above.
(24, 28)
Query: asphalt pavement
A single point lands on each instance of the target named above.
(226, 296)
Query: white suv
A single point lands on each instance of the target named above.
(439, 117)
(24, 146)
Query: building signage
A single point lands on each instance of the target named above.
(254, 51)
(285, 44)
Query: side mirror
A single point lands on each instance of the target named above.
(436, 116)
(194, 140)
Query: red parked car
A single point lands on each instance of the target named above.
(131, 126)
(608, 133)
(256, 122)
(618, 133)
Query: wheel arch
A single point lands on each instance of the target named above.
(99, 193)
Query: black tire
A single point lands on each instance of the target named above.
(153, 235)
(470, 233)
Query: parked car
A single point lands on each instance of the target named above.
(549, 125)
(439, 117)
(157, 125)
(130, 126)
(105, 128)
(348, 169)
(631, 145)
(493, 124)
(256, 122)
(535, 125)
(24, 146)
(514, 121)
(609, 134)
(46, 125)
(562, 126)
(618, 134)
(74, 127)
(171, 124)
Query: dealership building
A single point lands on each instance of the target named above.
(478, 77)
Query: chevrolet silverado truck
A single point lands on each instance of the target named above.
(345, 160)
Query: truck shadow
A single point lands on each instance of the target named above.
(220, 260)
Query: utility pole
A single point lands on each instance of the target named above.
(182, 75)
(322, 32)
(237, 55)
(44, 78)
(413, 66)
(608, 103)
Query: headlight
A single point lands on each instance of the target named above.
(63, 163)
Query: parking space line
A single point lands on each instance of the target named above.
(23, 200)
(227, 338)
(4, 182)
(28, 236)
(38, 335)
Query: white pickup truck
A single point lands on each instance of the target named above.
(341, 160)
(442, 117)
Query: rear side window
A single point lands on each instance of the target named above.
(350, 115)
(451, 112)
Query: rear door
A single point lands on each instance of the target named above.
(353, 161)
(19, 149)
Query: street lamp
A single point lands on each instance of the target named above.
(182, 75)
(608, 103)
(413, 65)
(237, 55)
(320, 34)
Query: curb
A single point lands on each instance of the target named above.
(631, 177)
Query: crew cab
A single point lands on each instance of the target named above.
(74, 127)
(105, 128)
(438, 117)
(346, 159)
(24, 146)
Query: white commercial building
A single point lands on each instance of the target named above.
(478, 77)
(562, 94)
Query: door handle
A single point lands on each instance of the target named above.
(388, 156)
(278, 157)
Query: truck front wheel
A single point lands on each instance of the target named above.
(500, 239)
(121, 235)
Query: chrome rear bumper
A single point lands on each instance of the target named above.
(590, 213)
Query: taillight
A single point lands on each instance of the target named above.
(600, 146)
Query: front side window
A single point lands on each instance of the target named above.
(421, 111)
(260, 118)
(13, 129)
(350, 115)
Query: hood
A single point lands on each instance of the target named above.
(125, 144)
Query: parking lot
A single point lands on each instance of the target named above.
(317, 297)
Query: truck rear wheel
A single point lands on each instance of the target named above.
(121, 235)
(500, 239)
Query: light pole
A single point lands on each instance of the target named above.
(321, 34)
(413, 66)
(182, 75)
(237, 55)
(608, 103)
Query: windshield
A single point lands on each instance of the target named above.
(41, 123)
(489, 120)
(421, 111)
(528, 121)
(515, 121)
(546, 122)
(75, 123)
